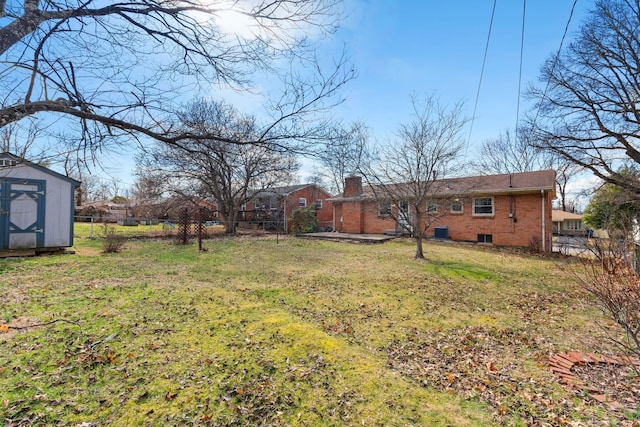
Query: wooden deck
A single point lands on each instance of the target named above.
(350, 237)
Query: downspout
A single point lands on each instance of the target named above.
(284, 204)
(333, 218)
(544, 237)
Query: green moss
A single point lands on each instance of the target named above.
(290, 333)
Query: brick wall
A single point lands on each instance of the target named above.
(520, 229)
(375, 224)
(351, 218)
(311, 193)
(352, 186)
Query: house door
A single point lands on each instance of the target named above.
(22, 213)
(404, 215)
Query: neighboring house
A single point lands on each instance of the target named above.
(273, 208)
(506, 210)
(567, 223)
(144, 210)
(36, 206)
(103, 211)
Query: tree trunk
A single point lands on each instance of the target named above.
(230, 224)
(419, 253)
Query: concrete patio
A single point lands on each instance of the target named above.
(352, 237)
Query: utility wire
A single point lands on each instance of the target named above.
(555, 61)
(484, 61)
(524, 14)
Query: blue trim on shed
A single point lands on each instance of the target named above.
(7, 195)
(72, 215)
(41, 207)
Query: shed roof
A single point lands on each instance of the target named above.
(24, 162)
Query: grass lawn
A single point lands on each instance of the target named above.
(299, 332)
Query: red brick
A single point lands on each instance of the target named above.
(576, 357)
(561, 371)
(565, 359)
(596, 358)
(560, 363)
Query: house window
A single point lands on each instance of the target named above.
(483, 206)
(456, 206)
(318, 204)
(384, 208)
(485, 238)
(573, 225)
(432, 206)
(302, 202)
(263, 204)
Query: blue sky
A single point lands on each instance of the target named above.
(438, 46)
(428, 46)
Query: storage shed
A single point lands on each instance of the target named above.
(36, 206)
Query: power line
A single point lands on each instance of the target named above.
(555, 60)
(524, 14)
(484, 61)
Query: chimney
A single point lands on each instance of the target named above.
(353, 186)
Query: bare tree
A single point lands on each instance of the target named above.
(91, 189)
(508, 153)
(411, 171)
(22, 141)
(343, 154)
(566, 171)
(119, 70)
(520, 153)
(611, 277)
(222, 171)
(588, 110)
(149, 186)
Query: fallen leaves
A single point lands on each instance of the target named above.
(465, 362)
(619, 383)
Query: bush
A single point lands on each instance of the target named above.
(614, 282)
(111, 240)
(304, 221)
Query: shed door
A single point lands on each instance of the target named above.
(22, 204)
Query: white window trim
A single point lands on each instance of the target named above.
(388, 209)
(435, 202)
(573, 225)
(493, 207)
(318, 203)
(461, 207)
(302, 202)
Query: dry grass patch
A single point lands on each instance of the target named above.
(292, 333)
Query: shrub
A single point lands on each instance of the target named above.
(304, 221)
(614, 282)
(111, 240)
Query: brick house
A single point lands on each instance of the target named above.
(273, 207)
(505, 210)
